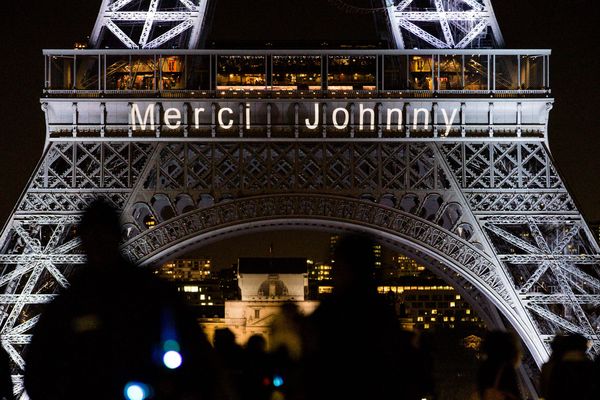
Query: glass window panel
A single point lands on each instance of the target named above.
(532, 72)
(476, 72)
(61, 72)
(297, 72)
(352, 73)
(198, 72)
(118, 73)
(506, 77)
(241, 72)
(396, 72)
(87, 72)
(172, 72)
(143, 73)
(450, 73)
(420, 77)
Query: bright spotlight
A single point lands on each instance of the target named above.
(172, 359)
(136, 391)
(277, 381)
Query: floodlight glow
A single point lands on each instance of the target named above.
(172, 359)
(277, 381)
(136, 391)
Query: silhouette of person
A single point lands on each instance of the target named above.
(230, 355)
(256, 371)
(497, 375)
(352, 348)
(569, 374)
(6, 385)
(117, 331)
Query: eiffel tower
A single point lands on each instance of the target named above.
(438, 148)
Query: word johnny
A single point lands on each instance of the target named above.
(312, 116)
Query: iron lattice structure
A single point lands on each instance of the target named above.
(479, 200)
(445, 24)
(150, 24)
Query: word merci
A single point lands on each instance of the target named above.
(313, 116)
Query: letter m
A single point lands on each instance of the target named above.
(136, 117)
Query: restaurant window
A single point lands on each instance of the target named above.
(87, 68)
(60, 72)
(118, 73)
(450, 73)
(351, 73)
(241, 72)
(395, 72)
(296, 73)
(505, 73)
(532, 72)
(198, 72)
(172, 75)
(476, 72)
(420, 72)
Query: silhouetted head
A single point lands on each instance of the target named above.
(224, 339)
(256, 344)
(502, 347)
(575, 342)
(354, 264)
(100, 232)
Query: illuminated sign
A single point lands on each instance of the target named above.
(311, 116)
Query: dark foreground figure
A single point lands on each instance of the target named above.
(354, 346)
(113, 327)
(570, 374)
(497, 377)
(6, 386)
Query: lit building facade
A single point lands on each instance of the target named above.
(266, 284)
(320, 279)
(195, 279)
(189, 269)
(422, 300)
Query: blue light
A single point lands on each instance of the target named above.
(172, 359)
(277, 381)
(136, 391)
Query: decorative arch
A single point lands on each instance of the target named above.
(455, 259)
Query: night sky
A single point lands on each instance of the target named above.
(28, 27)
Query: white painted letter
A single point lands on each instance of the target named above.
(197, 112)
(450, 122)
(346, 118)
(137, 116)
(417, 111)
(361, 117)
(220, 118)
(247, 116)
(172, 113)
(391, 111)
(316, 123)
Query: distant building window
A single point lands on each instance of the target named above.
(325, 289)
(190, 289)
(256, 313)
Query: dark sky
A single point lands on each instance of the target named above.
(28, 27)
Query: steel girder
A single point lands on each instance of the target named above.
(537, 263)
(444, 24)
(159, 25)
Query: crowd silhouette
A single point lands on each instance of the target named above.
(119, 332)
